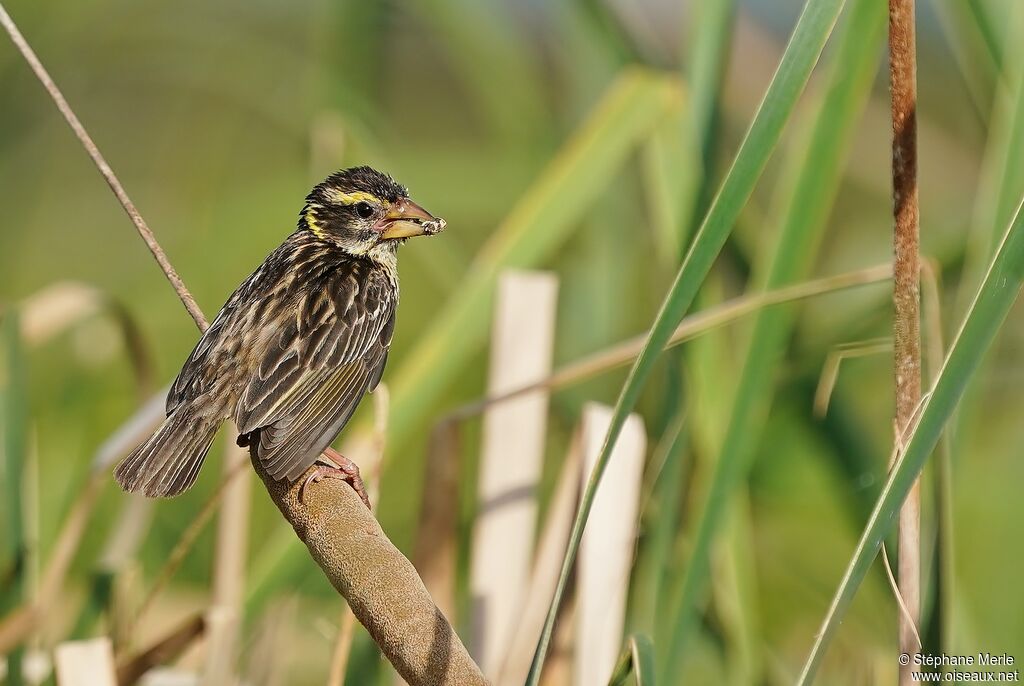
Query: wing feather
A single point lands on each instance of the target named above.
(316, 371)
(288, 447)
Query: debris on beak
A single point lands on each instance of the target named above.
(406, 219)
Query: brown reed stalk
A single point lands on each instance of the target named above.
(379, 583)
(906, 301)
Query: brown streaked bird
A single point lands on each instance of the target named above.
(297, 345)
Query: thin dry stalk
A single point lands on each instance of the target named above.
(834, 361)
(101, 164)
(162, 651)
(342, 648)
(906, 300)
(692, 326)
(16, 625)
(895, 588)
(69, 538)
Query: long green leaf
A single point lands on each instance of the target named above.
(661, 516)
(637, 659)
(13, 568)
(677, 155)
(991, 305)
(710, 36)
(673, 176)
(988, 27)
(1002, 173)
(805, 46)
(816, 173)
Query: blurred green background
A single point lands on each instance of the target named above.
(219, 116)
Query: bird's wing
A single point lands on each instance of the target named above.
(190, 379)
(289, 445)
(194, 379)
(316, 370)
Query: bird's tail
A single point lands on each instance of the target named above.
(169, 461)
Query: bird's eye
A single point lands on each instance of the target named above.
(364, 210)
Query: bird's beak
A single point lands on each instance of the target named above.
(406, 219)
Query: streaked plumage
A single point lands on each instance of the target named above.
(297, 345)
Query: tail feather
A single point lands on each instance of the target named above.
(168, 463)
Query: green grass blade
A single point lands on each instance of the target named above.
(988, 27)
(673, 177)
(710, 37)
(637, 659)
(816, 173)
(13, 438)
(677, 156)
(13, 565)
(805, 46)
(991, 305)
(1002, 173)
(532, 231)
(612, 32)
(661, 516)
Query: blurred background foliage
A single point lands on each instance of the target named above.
(218, 117)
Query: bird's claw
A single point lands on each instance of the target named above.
(344, 469)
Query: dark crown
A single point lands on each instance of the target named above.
(365, 179)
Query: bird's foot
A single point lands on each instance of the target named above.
(342, 468)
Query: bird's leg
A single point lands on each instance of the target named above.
(340, 468)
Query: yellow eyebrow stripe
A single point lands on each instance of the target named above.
(354, 197)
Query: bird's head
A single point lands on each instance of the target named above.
(365, 212)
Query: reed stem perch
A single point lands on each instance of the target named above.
(906, 300)
(381, 586)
